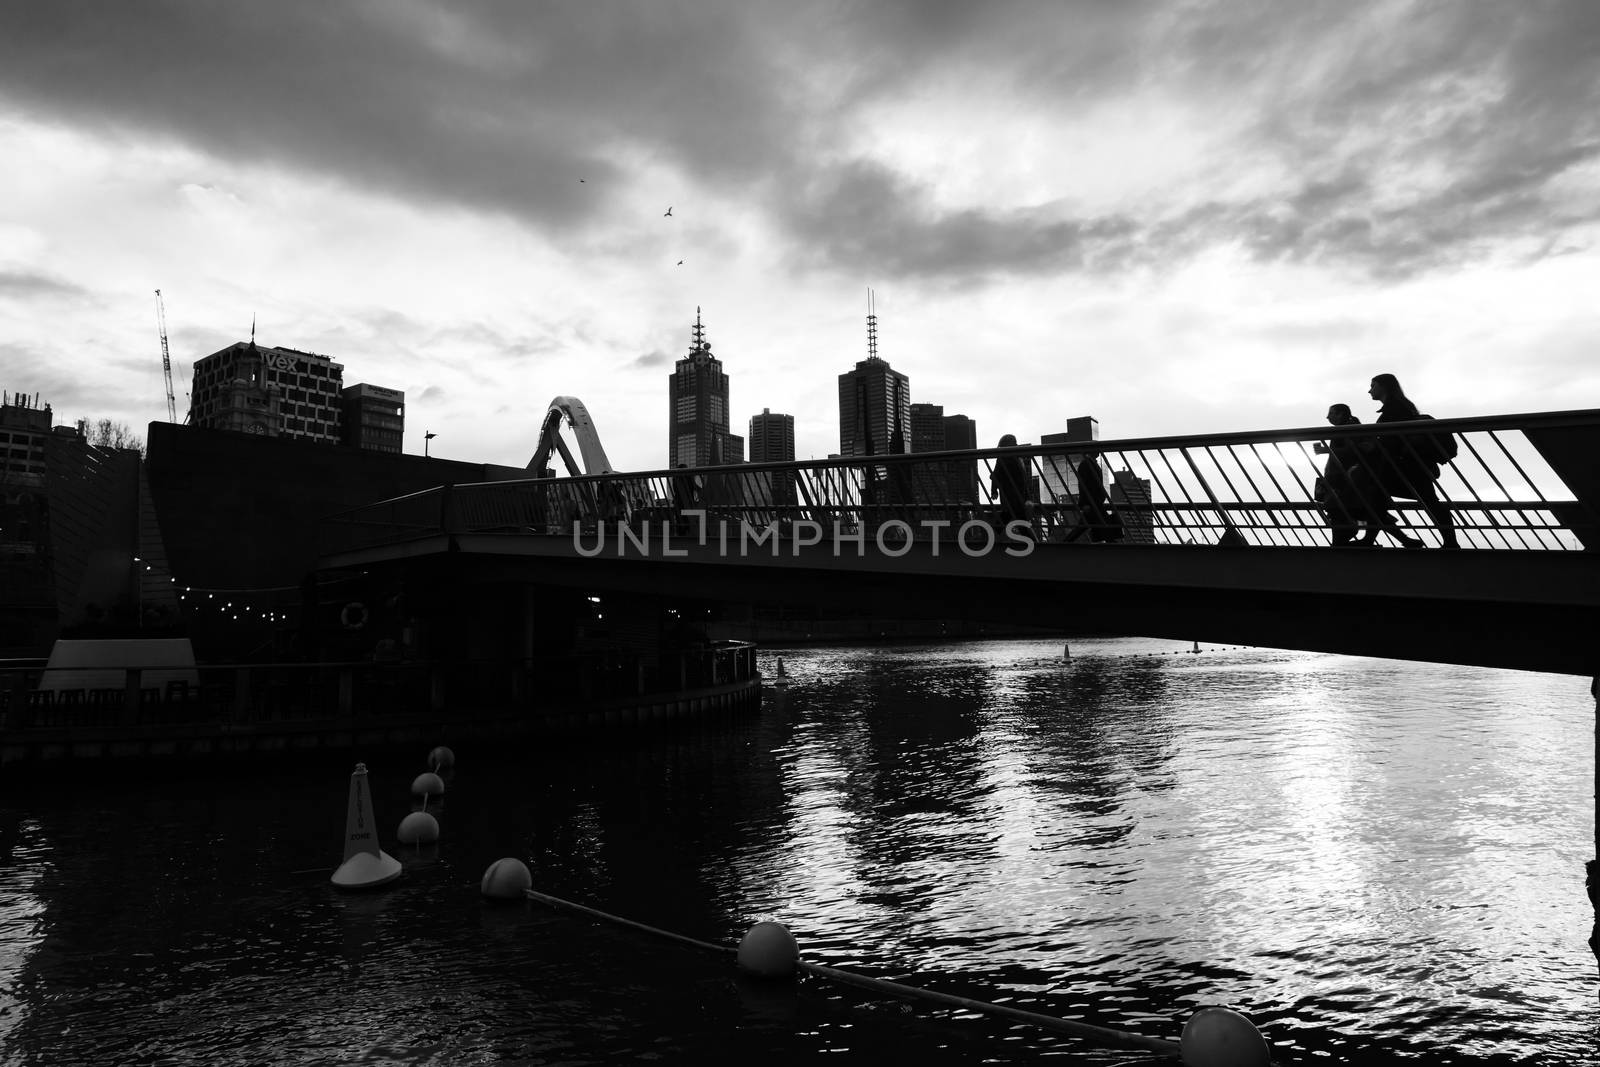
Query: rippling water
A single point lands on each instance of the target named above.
(1378, 861)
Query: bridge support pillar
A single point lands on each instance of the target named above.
(1591, 881)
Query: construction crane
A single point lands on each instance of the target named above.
(166, 359)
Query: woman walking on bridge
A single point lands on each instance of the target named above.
(1406, 465)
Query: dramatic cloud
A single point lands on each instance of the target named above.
(466, 200)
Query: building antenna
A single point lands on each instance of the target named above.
(699, 332)
(872, 327)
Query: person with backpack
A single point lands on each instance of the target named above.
(1407, 465)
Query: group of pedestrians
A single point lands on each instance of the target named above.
(1011, 485)
(1365, 476)
(1357, 490)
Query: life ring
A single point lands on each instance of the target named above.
(354, 615)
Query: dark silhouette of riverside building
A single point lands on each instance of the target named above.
(374, 417)
(874, 402)
(274, 392)
(772, 441)
(697, 408)
(961, 432)
(284, 392)
(771, 437)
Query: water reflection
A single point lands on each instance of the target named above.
(1379, 861)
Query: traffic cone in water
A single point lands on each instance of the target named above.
(365, 865)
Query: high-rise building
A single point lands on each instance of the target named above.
(961, 432)
(697, 409)
(1061, 471)
(930, 482)
(374, 417)
(24, 427)
(278, 392)
(927, 428)
(771, 437)
(772, 441)
(1130, 496)
(874, 402)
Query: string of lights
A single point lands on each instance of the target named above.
(234, 604)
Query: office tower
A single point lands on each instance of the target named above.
(276, 392)
(927, 428)
(874, 402)
(1061, 471)
(697, 409)
(930, 482)
(772, 441)
(1130, 496)
(24, 428)
(961, 432)
(771, 437)
(374, 417)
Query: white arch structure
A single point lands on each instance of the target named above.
(577, 416)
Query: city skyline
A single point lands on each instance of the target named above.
(1183, 219)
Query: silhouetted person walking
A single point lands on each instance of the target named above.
(1009, 484)
(1344, 507)
(1095, 516)
(1405, 466)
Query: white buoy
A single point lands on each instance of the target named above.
(769, 951)
(441, 758)
(507, 879)
(427, 784)
(1221, 1037)
(365, 865)
(418, 828)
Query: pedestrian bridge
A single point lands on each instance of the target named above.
(1222, 539)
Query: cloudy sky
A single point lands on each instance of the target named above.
(1177, 217)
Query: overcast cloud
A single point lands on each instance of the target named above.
(462, 200)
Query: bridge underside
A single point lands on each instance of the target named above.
(1368, 602)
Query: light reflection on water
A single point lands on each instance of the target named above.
(1378, 861)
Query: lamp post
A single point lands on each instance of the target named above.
(430, 435)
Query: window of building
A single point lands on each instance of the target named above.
(686, 409)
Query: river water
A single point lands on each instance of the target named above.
(1377, 861)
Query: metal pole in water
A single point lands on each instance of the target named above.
(1591, 881)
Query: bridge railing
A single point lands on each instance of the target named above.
(1529, 481)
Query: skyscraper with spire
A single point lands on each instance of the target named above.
(874, 402)
(697, 408)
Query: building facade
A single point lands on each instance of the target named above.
(772, 441)
(771, 437)
(1130, 495)
(274, 392)
(1061, 471)
(697, 409)
(24, 425)
(874, 404)
(961, 432)
(374, 417)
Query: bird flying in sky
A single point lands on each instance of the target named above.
(669, 211)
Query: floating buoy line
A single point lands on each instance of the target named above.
(1213, 1035)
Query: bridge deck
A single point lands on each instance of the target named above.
(925, 534)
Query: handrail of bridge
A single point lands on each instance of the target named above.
(1523, 481)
